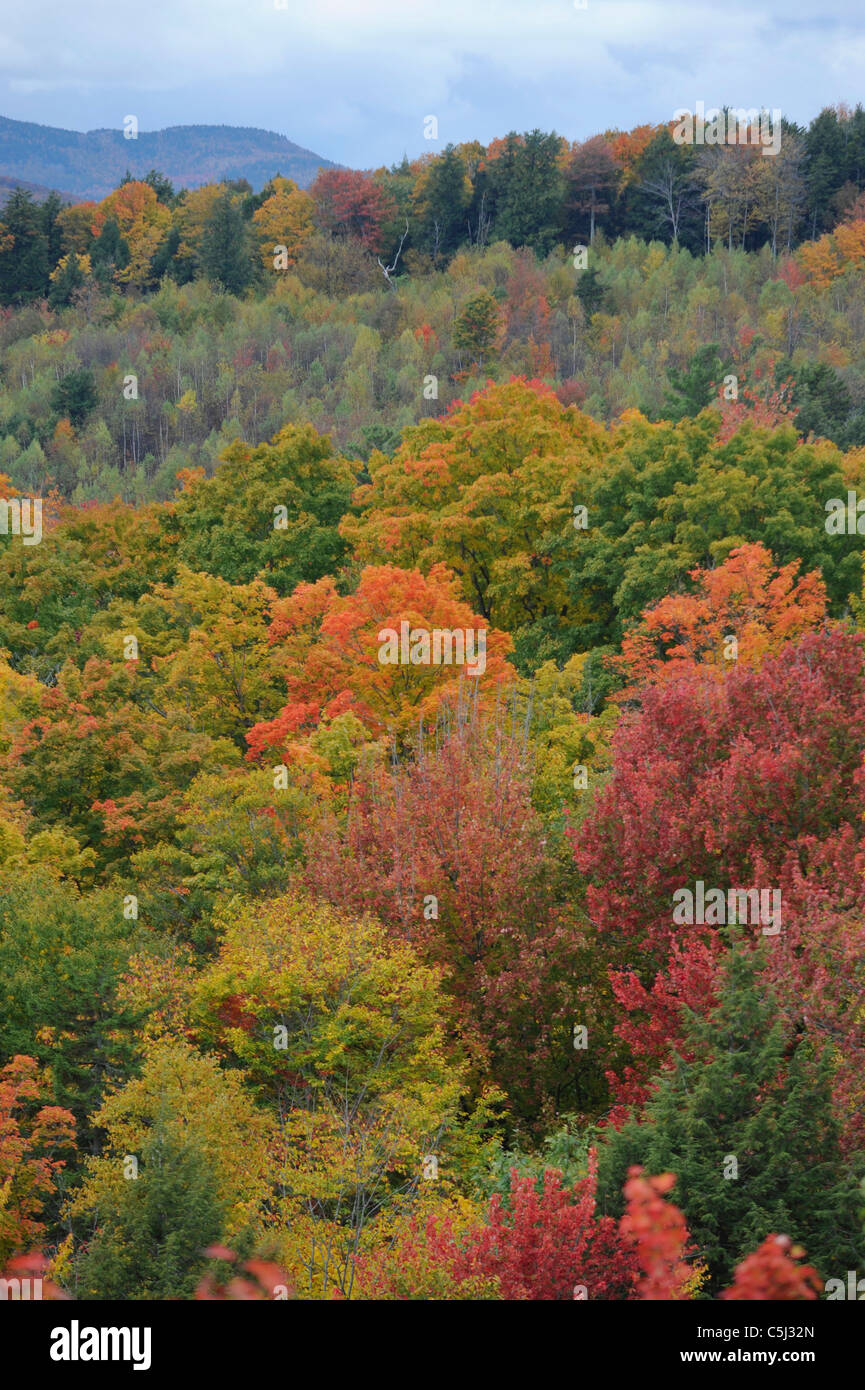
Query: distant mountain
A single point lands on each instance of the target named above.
(37, 191)
(92, 164)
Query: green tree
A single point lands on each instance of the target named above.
(825, 167)
(528, 190)
(149, 1245)
(109, 252)
(226, 253)
(744, 1119)
(478, 326)
(74, 396)
(695, 386)
(441, 196)
(25, 251)
(62, 957)
(271, 510)
(199, 1148)
(822, 397)
(69, 279)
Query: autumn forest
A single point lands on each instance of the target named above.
(432, 728)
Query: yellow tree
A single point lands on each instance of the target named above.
(283, 220)
(490, 490)
(341, 1032)
(143, 222)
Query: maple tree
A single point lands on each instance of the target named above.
(450, 854)
(351, 203)
(753, 779)
(283, 220)
(330, 645)
(34, 1148)
(746, 599)
(339, 1031)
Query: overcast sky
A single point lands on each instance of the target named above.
(354, 79)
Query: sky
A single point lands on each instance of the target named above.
(354, 80)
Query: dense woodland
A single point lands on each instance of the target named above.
(322, 977)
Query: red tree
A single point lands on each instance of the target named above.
(349, 203)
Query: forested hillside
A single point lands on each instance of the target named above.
(90, 163)
(432, 756)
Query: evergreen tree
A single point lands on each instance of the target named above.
(823, 399)
(74, 396)
(110, 252)
(529, 189)
(696, 386)
(662, 200)
(826, 168)
(25, 263)
(150, 1240)
(225, 250)
(443, 203)
(590, 292)
(477, 327)
(68, 280)
(744, 1119)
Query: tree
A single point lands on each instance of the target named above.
(25, 252)
(283, 219)
(332, 647)
(113, 771)
(440, 197)
(33, 1143)
(538, 1245)
(663, 193)
(822, 400)
(185, 1162)
(478, 327)
(151, 1243)
(350, 203)
(143, 221)
(62, 959)
(272, 510)
(489, 490)
(224, 251)
(450, 854)
(74, 396)
(591, 179)
(781, 192)
(340, 1033)
(661, 514)
(69, 275)
(824, 167)
(745, 597)
(743, 1116)
(110, 252)
(525, 180)
(699, 780)
(696, 386)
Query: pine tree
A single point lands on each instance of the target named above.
(694, 387)
(225, 250)
(110, 251)
(24, 250)
(150, 1245)
(477, 327)
(744, 1119)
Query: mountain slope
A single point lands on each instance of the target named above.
(90, 165)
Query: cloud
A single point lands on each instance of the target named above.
(354, 80)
